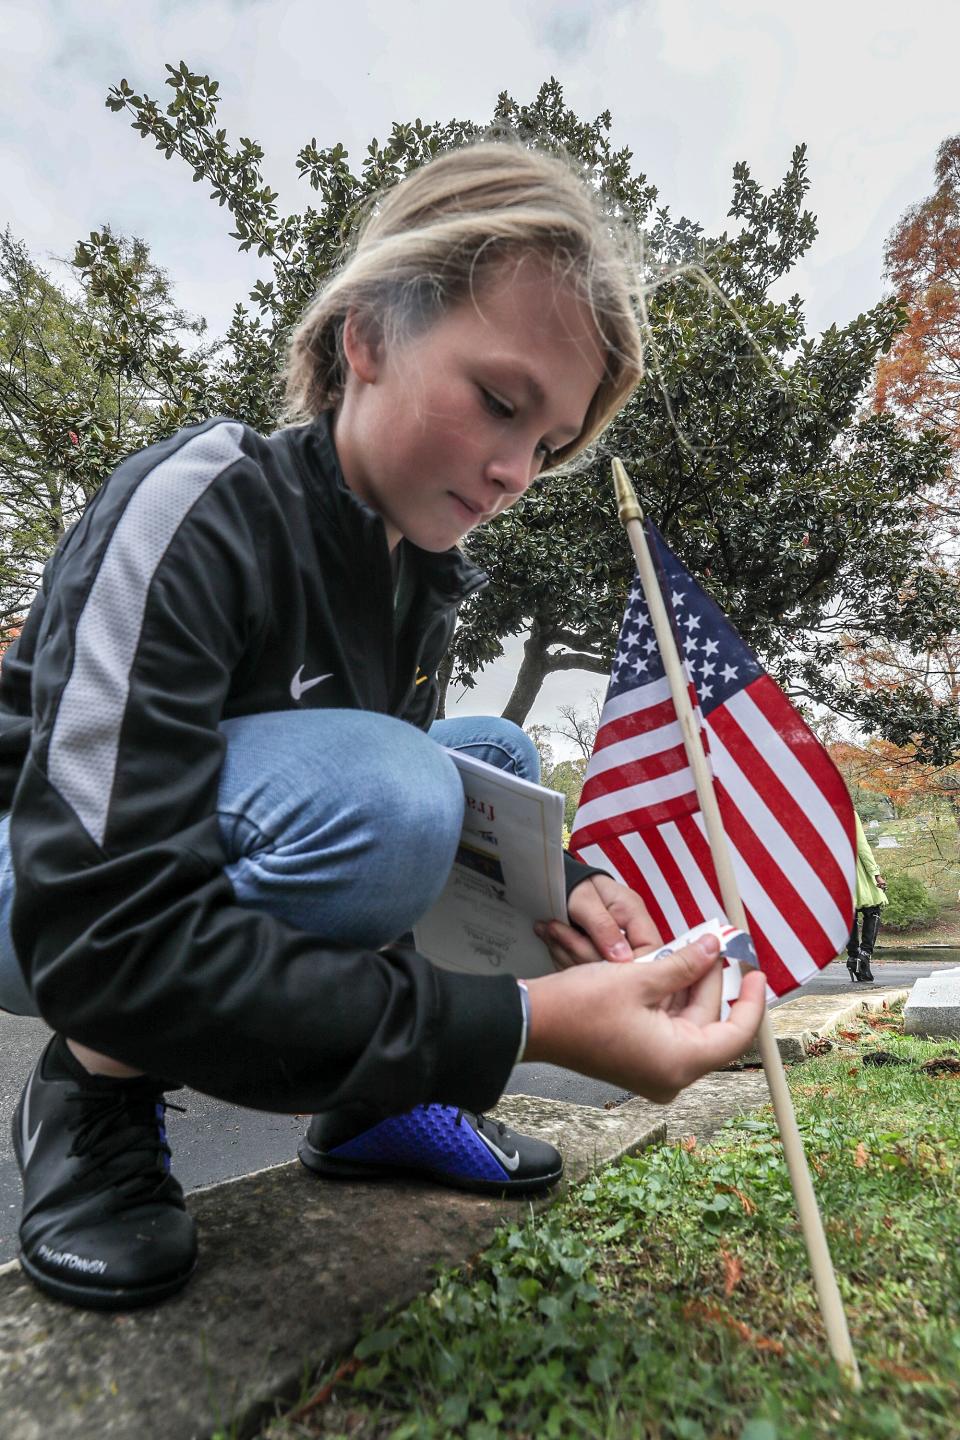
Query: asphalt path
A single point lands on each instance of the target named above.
(213, 1141)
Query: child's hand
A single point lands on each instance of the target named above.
(612, 924)
(652, 1028)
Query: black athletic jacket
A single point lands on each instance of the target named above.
(210, 575)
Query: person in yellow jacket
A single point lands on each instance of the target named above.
(870, 900)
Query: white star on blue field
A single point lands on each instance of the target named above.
(717, 660)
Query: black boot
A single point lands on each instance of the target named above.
(871, 927)
(853, 947)
(864, 972)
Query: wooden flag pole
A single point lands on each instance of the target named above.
(828, 1294)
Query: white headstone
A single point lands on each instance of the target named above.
(933, 1007)
(888, 842)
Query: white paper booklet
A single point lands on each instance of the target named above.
(508, 873)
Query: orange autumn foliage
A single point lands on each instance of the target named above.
(920, 377)
(894, 771)
(935, 673)
(919, 381)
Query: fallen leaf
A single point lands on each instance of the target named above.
(854, 1070)
(732, 1271)
(689, 1142)
(905, 1372)
(849, 1034)
(696, 1309)
(861, 1155)
(749, 1207)
(323, 1395)
(942, 1065)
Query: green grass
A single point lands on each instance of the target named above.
(669, 1297)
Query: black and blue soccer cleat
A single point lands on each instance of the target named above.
(454, 1147)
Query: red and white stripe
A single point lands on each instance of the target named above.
(784, 806)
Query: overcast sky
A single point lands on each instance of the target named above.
(693, 86)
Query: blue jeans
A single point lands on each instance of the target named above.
(341, 822)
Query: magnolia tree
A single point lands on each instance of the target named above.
(806, 521)
(745, 440)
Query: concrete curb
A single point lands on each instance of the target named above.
(291, 1268)
(803, 1020)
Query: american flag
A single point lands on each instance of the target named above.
(785, 808)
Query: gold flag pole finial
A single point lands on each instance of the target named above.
(628, 506)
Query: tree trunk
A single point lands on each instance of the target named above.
(953, 800)
(444, 673)
(538, 663)
(531, 675)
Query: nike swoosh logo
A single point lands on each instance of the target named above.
(29, 1141)
(509, 1162)
(300, 687)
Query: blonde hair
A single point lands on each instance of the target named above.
(426, 244)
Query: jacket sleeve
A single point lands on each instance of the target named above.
(865, 854)
(422, 707)
(127, 928)
(574, 871)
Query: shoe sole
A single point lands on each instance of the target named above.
(91, 1297)
(332, 1169)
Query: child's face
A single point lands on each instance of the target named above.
(448, 429)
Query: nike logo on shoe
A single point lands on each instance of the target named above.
(29, 1141)
(509, 1162)
(300, 687)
